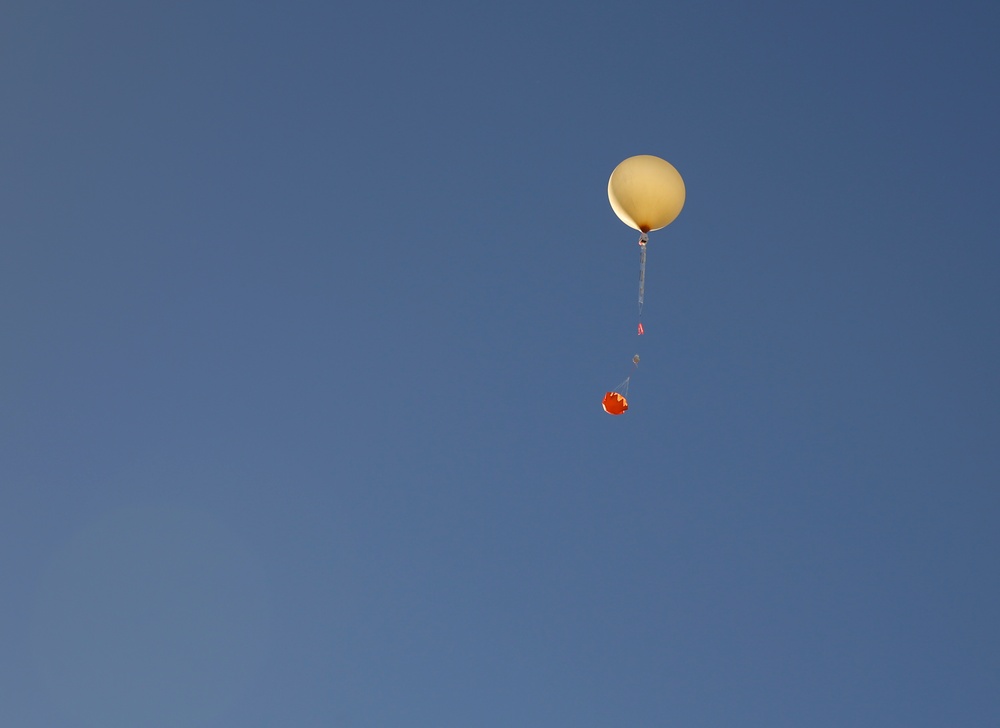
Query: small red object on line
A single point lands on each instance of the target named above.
(640, 330)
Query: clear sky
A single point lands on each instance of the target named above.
(307, 310)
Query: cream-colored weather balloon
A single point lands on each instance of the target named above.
(646, 192)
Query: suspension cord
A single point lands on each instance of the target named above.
(642, 276)
(642, 269)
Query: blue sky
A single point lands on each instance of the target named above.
(308, 310)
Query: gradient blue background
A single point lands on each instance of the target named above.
(307, 310)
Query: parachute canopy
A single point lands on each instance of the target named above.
(646, 192)
(614, 403)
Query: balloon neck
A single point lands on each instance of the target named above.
(643, 239)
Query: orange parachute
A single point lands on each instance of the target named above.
(614, 403)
